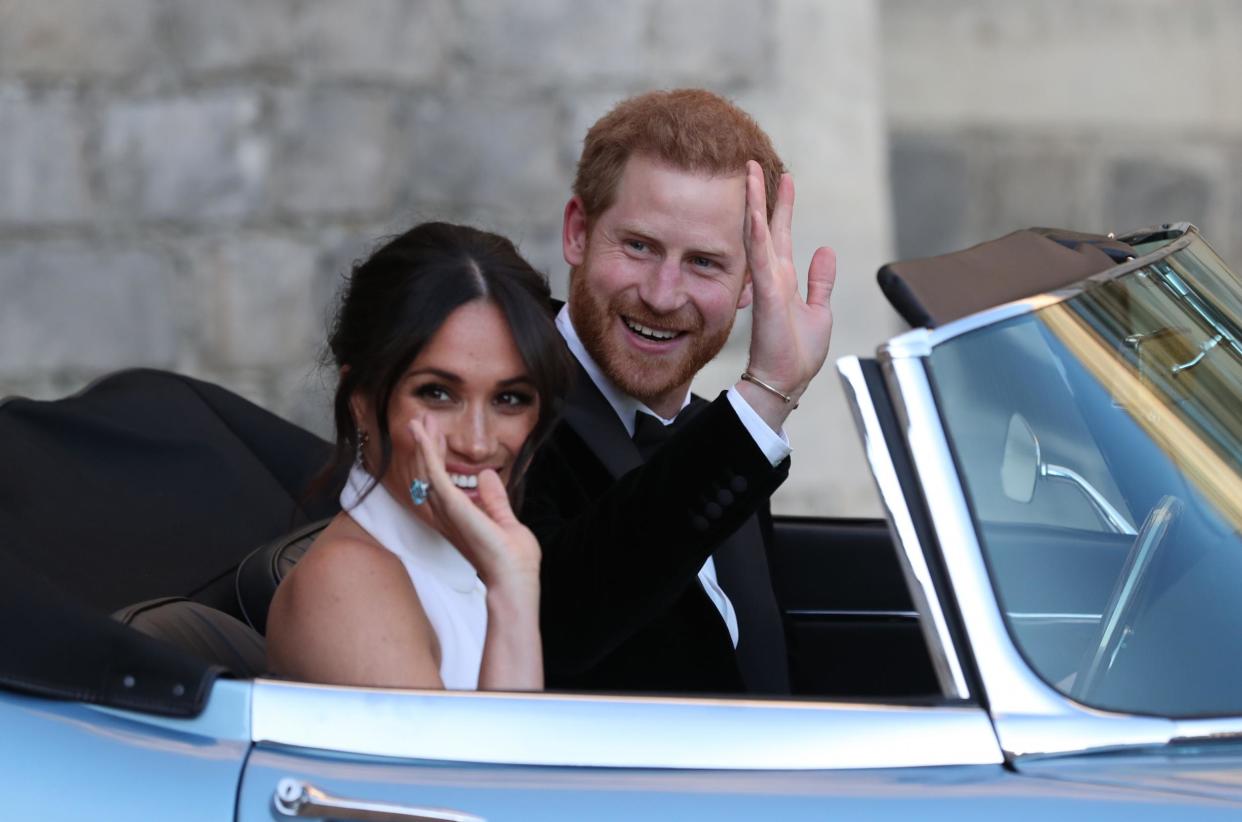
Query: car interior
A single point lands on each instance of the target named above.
(176, 507)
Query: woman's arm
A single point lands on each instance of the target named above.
(348, 615)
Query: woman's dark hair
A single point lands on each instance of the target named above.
(395, 301)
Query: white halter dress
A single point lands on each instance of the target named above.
(451, 593)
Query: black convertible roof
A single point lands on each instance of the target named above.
(932, 291)
(147, 484)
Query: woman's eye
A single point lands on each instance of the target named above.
(515, 399)
(434, 393)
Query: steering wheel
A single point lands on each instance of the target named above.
(1123, 602)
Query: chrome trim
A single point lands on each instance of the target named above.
(926, 600)
(1038, 616)
(1030, 716)
(295, 798)
(619, 732)
(918, 342)
(859, 614)
(1111, 516)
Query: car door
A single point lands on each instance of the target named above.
(355, 753)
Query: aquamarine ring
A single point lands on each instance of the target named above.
(419, 489)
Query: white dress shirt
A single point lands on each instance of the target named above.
(775, 446)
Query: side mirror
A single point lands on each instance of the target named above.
(1021, 464)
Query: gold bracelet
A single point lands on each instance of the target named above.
(749, 377)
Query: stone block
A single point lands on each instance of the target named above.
(259, 301)
(930, 193)
(498, 154)
(1063, 62)
(408, 41)
(186, 158)
(1142, 192)
(77, 38)
(1019, 182)
(337, 151)
(554, 43)
(701, 43)
(79, 307)
(226, 35)
(43, 175)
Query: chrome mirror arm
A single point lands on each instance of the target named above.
(1114, 518)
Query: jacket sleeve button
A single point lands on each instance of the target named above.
(739, 484)
(698, 523)
(712, 510)
(724, 496)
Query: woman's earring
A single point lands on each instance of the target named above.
(363, 440)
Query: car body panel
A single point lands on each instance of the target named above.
(65, 760)
(1208, 770)
(985, 792)
(620, 731)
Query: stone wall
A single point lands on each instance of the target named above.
(1108, 115)
(182, 183)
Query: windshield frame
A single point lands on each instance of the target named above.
(1030, 716)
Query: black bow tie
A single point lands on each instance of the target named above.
(650, 432)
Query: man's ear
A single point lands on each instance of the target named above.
(748, 292)
(574, 232)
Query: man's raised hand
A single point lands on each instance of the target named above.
(789, 335)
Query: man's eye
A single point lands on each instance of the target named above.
(702, 262)
(636, 245)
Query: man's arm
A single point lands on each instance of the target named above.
(612, 565)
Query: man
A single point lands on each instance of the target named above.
(654, 575)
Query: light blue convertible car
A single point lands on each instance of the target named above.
(1047, 626)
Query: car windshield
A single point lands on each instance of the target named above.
(1098, 440)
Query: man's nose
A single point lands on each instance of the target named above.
(661, 289)
(472, 436)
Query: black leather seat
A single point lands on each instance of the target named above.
(149, 487)
(261, 571)
(207, 633)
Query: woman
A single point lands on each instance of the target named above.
(451, 372)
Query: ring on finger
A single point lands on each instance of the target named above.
(420, 489)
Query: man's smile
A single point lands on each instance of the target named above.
(650, 333)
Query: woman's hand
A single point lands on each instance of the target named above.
(504, 553)
(502, 550)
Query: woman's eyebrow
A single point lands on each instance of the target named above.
(521, 379)
(447, 376)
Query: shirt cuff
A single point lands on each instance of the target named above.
(773, 444)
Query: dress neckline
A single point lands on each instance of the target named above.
(400, 531)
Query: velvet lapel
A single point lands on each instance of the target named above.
(590, 415)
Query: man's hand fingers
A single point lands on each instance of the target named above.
(822, 277)
(782, 220)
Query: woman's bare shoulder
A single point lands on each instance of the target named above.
(347, 586)
(343, 562)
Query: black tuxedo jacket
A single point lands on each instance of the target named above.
(623, 542)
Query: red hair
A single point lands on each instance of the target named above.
(689, 129)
